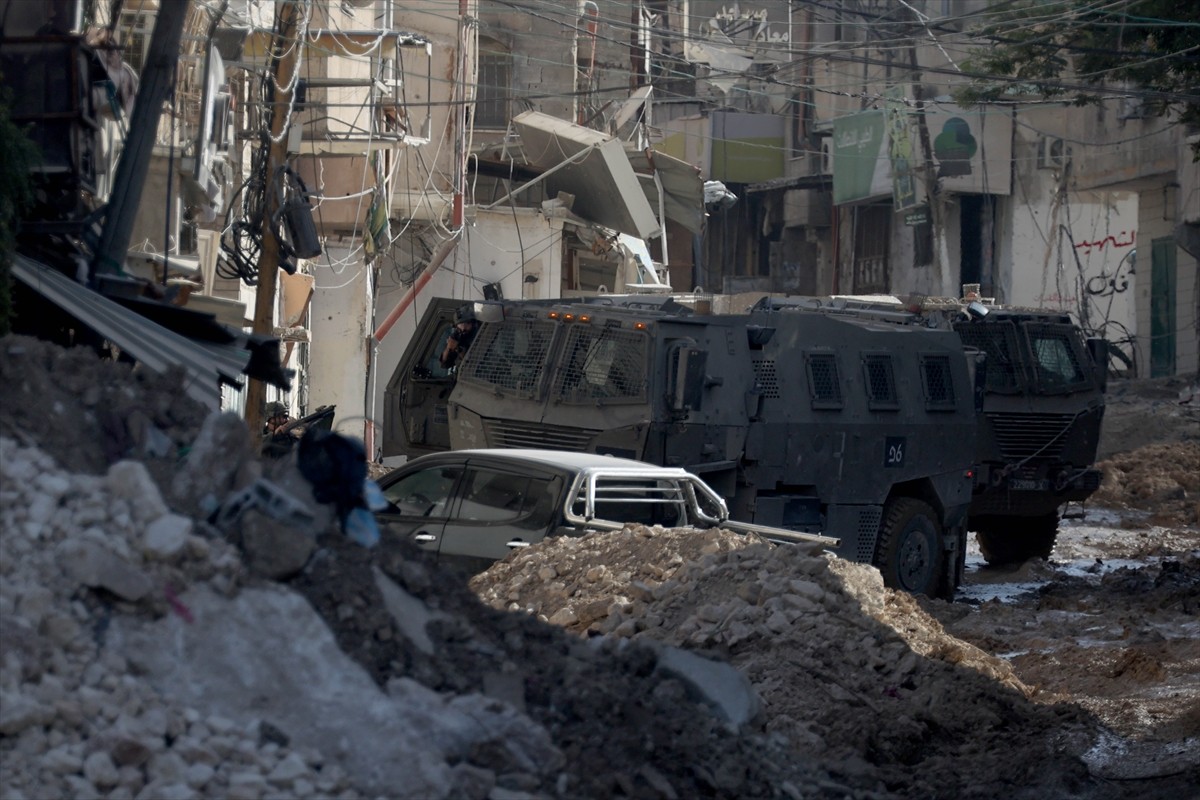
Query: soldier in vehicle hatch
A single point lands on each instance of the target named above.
(459, 340)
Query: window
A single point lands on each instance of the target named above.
(493, 85)
(136, 40)
(937, 383)
(430, 365)
(766, 378)
(998, 342)
(823, 380)
(425, 493)
(1058, 366)
(602, 363)
(880, 381)
(493, 496)
(510, 355)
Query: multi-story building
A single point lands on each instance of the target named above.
(479, 148)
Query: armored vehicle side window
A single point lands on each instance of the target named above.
(880, 381)
(1057, 362)
(602, 363)
(937, 382)
(510, 355)
(998, 341)
(430, 366)
(823, 380)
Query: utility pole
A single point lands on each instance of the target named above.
(933, 196)
(284, 54)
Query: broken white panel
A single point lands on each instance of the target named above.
(605, 187)
(683, 187)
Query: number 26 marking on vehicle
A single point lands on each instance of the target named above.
(893, 451)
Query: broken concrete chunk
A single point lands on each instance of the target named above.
(213, 463)
(90, 564)
(19, 711)
(410, 614)
(720, 687)
(131, 480)
(273, 549)
(167, 537)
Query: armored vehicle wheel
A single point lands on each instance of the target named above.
(1014, 540)
(910, 551)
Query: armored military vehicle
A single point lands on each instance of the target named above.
(847, 427)
(1042, 407)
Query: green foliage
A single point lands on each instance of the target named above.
(1059, 48)
(17, 156)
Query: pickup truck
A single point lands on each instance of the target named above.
(474, 507)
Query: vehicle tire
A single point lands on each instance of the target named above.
(1014, 540)
(911, 552)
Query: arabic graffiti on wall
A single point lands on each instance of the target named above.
(1128, 238)
(740, 24)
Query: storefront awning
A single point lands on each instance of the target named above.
(207, 364)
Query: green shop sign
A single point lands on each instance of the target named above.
(860, 160)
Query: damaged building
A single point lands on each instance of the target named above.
(318, 171)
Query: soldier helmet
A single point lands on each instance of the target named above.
(464, 314)
(276, 409)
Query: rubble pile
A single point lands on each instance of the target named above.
(154, 649)
(150, 654)
(76, 720)
(852, 673)
(88, 413)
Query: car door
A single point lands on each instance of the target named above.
(420, 499)
(502, 508)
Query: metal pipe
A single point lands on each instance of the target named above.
(542, 177)
(592, 12)
(417, 286)
(130, 177)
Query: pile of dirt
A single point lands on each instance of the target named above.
(1163, 479)
(1142, 412)
(851, 673)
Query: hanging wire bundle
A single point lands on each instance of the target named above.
(241, 244)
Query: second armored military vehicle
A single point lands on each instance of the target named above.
(1041, 411)
(818, 423)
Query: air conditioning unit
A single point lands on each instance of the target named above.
(1052, 153)
(208, 243)
(825, 161)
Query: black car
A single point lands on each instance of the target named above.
(474, 507)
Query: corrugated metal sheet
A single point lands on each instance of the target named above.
(208, 365)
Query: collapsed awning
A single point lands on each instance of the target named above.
(606, 189)
(208, 364)
(682, 186)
